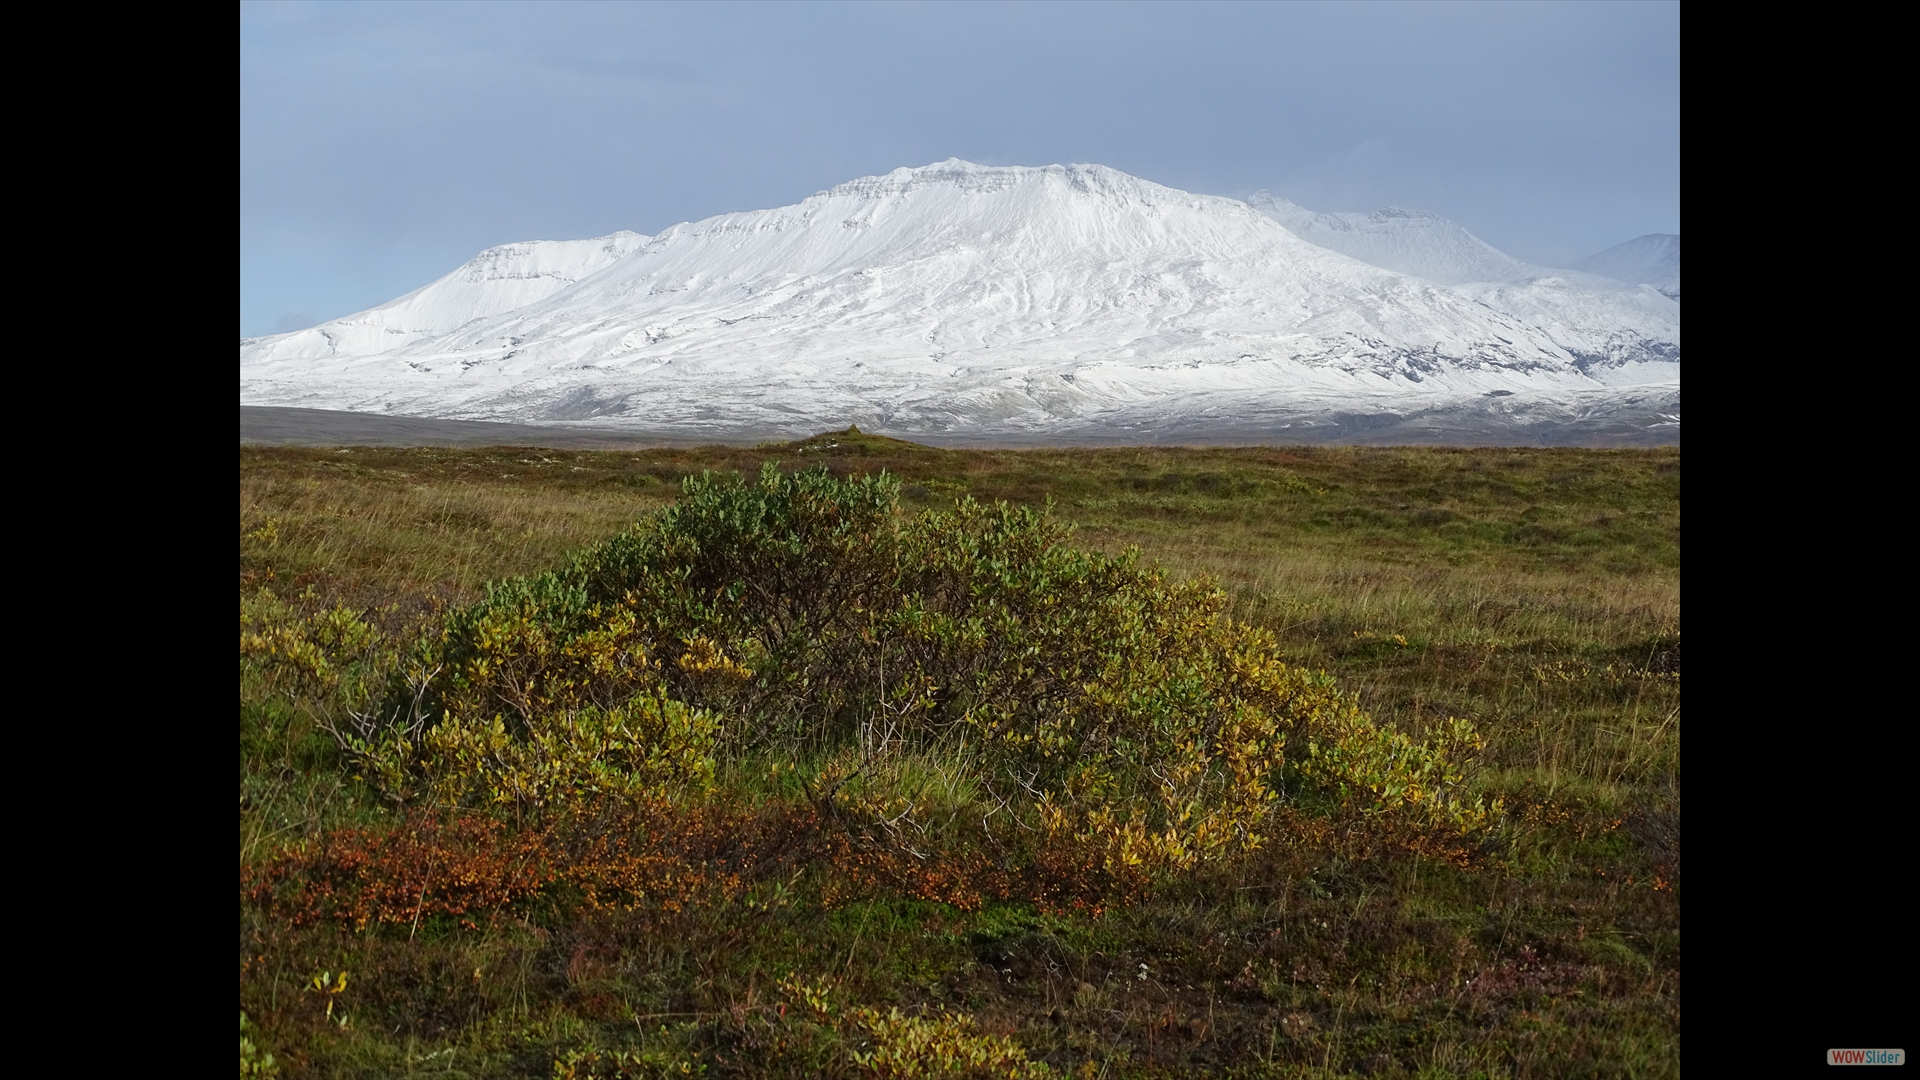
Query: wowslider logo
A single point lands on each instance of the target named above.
(1866, 1057)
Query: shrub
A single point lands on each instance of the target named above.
(893, 1045)
(649, 744)
(255, 1064)
(596, 1064)
(940, 1045)
(1093, 699)
(331, 663)
(461, 866)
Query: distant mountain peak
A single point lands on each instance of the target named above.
(1653, 259)
(1408, 241)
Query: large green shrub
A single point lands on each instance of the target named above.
(805, 616)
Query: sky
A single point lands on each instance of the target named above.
(383, 144)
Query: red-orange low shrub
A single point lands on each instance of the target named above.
(461, 865)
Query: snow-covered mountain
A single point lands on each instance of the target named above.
(1060, 302)
(1653, 259)
(1597, 318)
(1410, 241)
(494, 282)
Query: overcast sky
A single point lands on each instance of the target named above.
(382, 144)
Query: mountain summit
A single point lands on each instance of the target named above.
(1062, 302)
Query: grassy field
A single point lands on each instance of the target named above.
(1534, 592)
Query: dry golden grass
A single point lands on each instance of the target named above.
(395, 534)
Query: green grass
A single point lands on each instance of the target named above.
(1533, 591)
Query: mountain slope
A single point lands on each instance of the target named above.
(494, 282)
(1653, 259)
(1414, 242)
(952, 297)
(1613, 329)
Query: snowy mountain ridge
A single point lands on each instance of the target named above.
(1414, 242)
(960, 298)
(1584, 312)
(1653, 259)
